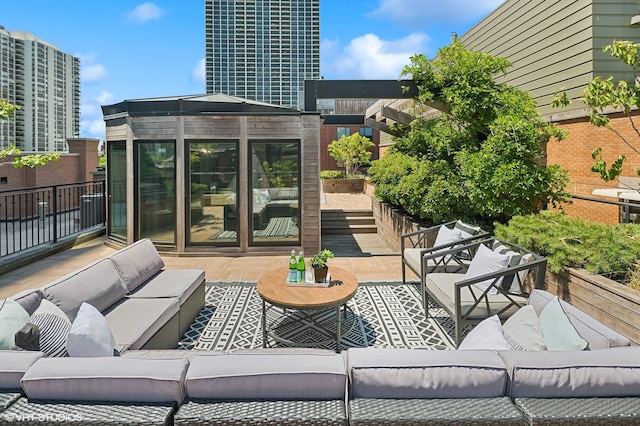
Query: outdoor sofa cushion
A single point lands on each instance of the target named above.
(597, 334)
(134, 321)
(97, 284)
(410, 373)
(180, 283)
(442, 285)
(137, 263)
(29, 299)
(13, 365)
(573, 374)
(106, 379)
(266, 375)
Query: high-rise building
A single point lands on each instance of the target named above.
(45, 83)
(262, 49)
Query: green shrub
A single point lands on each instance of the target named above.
(608, 250)
(332, 174)
(198, 188)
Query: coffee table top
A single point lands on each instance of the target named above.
(273, 288)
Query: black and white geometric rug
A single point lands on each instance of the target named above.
(382, 314)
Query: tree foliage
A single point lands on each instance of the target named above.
(7, 110)
(601, 95)
(479, 158)
(352, 150)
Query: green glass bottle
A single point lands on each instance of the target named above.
(293, 268)
(301, 268)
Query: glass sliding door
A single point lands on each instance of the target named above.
(274, 194)
(156, 191)
(117, 183)
(213, 204)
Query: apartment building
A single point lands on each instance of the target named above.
(262, 49)
(45, 83)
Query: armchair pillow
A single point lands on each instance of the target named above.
(447, 236)
(486, 261)
(466, 230)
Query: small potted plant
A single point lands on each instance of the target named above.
(319, 264)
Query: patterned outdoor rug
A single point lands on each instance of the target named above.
(381, 315)
(277, 227)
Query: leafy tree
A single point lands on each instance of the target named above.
(7, 110)
(352, 150)
(479, 157)
(601, 95)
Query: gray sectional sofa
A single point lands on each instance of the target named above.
(151, 382)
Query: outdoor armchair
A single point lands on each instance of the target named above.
(415, 245)
(497, 281)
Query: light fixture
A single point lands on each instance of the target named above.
(635, 21)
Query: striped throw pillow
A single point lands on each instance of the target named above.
(53, 333)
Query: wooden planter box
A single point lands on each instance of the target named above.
(611, 303)
(343, 185)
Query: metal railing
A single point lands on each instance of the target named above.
(625, 213)
(35, 216)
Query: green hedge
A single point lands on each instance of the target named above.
(332, 174)
(608, 250)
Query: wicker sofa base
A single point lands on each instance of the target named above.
(167, 337)
(26, 412)
(191, 308)
(214, 412)
(7, 398)
(580, 411)
(467, 411)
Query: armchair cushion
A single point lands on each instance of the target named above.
(486, 261)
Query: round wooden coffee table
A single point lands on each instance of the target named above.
(305, 302)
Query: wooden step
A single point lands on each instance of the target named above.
(340, 222)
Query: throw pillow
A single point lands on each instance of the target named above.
(466, 230)
(523, 332)
(90, 334)
(486, 335)
(48, 307)
(559, 334)
(486, 261)
(53, 333)
(12, 317)
(264, 196)
(447, 236)
(509, 283)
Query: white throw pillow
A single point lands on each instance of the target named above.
(523, 332)
(467, 230)
(559, 334)
(447, 236)
(486, 335)
(486, 261)
(12, 318)
(48, 307)
(90, 334)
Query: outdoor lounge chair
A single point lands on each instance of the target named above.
(489, 285)
(414, 245)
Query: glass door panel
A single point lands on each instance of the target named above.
(213, 204)
(274, 193)
(117, 182)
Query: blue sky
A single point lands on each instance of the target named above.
(136, 49)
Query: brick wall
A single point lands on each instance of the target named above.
(329, 133)
(574, 154)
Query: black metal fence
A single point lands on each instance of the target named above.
(40, 215)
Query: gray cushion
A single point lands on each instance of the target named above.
(13, 365)
(29, 299)
(134, 321)
(180, 283)
(137, 263)
(167, 353)
(597, 334)
(267, 376)
(97, 284)
(412, 259)
(410, 373)
(106, 379)
(614, 372)
(443, 287)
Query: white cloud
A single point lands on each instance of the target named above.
(105, 97)
(92, 122)
(369, 57)
(415, 13)
(93, 128)
(145, 12)
(199, 73)
(92, 73)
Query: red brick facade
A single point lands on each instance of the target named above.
(76, 166)
(329, 133)
(574, 154)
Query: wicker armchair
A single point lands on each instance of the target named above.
(470, 299)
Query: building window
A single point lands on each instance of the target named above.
(343, 131)
(4, 180)
(367, 132)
